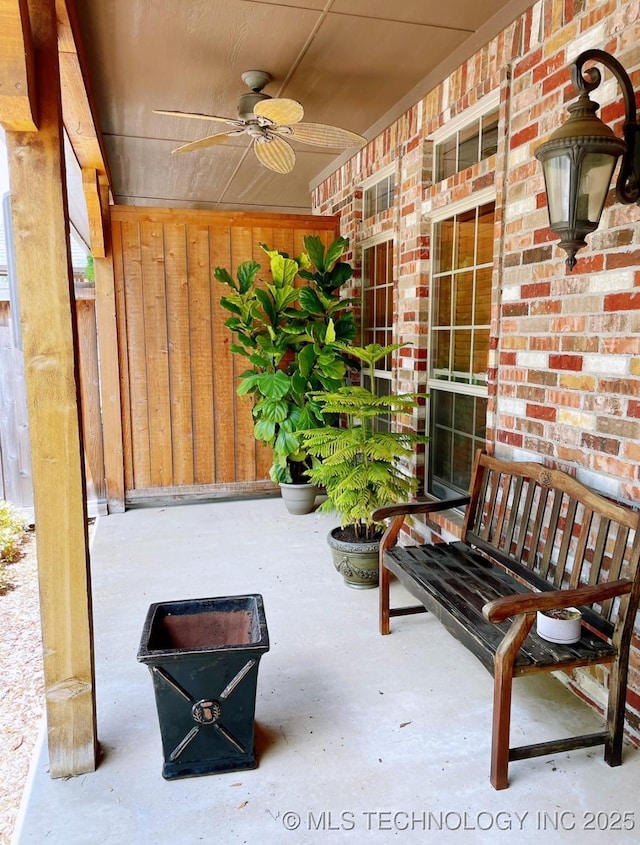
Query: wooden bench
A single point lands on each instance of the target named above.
(532, 539)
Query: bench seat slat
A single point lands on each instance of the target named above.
(454, 583)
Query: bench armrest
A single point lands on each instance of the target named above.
(412, 508)
(500, 609)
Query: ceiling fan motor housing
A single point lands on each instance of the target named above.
(247, 102)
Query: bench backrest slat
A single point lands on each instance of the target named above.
(552, 531)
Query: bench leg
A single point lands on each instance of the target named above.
(502, 685)
(384, 579)
(615, 711)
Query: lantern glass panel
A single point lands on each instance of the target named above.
(595, 177)
(557, 175)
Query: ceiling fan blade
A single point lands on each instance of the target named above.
(321, 135)
(275, 154)
(281, 111)
(209, 141)
(214, 117)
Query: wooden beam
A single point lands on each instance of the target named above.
(91, 186)
(50, 347)
(109, 364)
(78, 108)
(17, 83)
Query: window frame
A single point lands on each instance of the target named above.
(472, 202)
(465, 120)
(373, 182)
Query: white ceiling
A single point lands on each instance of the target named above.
(352, 63)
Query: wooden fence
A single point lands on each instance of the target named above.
(186, 433)
(15, 458)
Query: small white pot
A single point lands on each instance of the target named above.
(560, 626)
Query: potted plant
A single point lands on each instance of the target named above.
(360, 467)
(290, 335)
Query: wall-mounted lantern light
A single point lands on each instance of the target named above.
(579, 158)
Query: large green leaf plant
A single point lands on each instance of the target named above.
(361, 467)
(293, 337)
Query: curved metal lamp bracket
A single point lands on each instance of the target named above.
(628, 183)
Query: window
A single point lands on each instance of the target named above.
(468, 138)
(377, 309)
(459, 344)
(379, 196)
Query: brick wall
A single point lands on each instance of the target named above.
(564, 362)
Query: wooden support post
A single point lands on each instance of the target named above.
(40, 214)
(17, 84)
(109, 363)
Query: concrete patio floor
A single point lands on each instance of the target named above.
(359, 737)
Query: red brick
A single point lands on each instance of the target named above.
(601, 444)
(543, 236)
(633, 408)
(529, 133)
(540, 412)
(527, 63)
(536, 290)
(542, 71)
(557, 80)
(623, 301)
(515, 309)
(565, 362)
(509, 437)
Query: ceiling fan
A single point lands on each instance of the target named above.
(269, 122)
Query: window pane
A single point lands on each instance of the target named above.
(367, 255)
(462, 354)
(446, 158)
(465, 245)
(464, 299)
(463, 416)
(441, 341)
(381, 264)
(468, 147)
(442, 301)
(442, 408)
(377, 297)
(480, 355)
(481, 421)
(441, 441)
(489, 142)
(368, 306)
(462, 461)
(486, 219)
(369, 203)
(443, 237)
(482, 315)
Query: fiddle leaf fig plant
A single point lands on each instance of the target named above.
(293, 338)
(361, 467)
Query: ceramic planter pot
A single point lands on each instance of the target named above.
(356, 562)
(299, 498)
(203, 656)
(560, 626)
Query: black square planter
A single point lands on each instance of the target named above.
(203, 655)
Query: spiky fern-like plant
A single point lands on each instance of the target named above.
(360, 467)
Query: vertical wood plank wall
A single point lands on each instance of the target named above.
(15, 449)
(185, 430)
